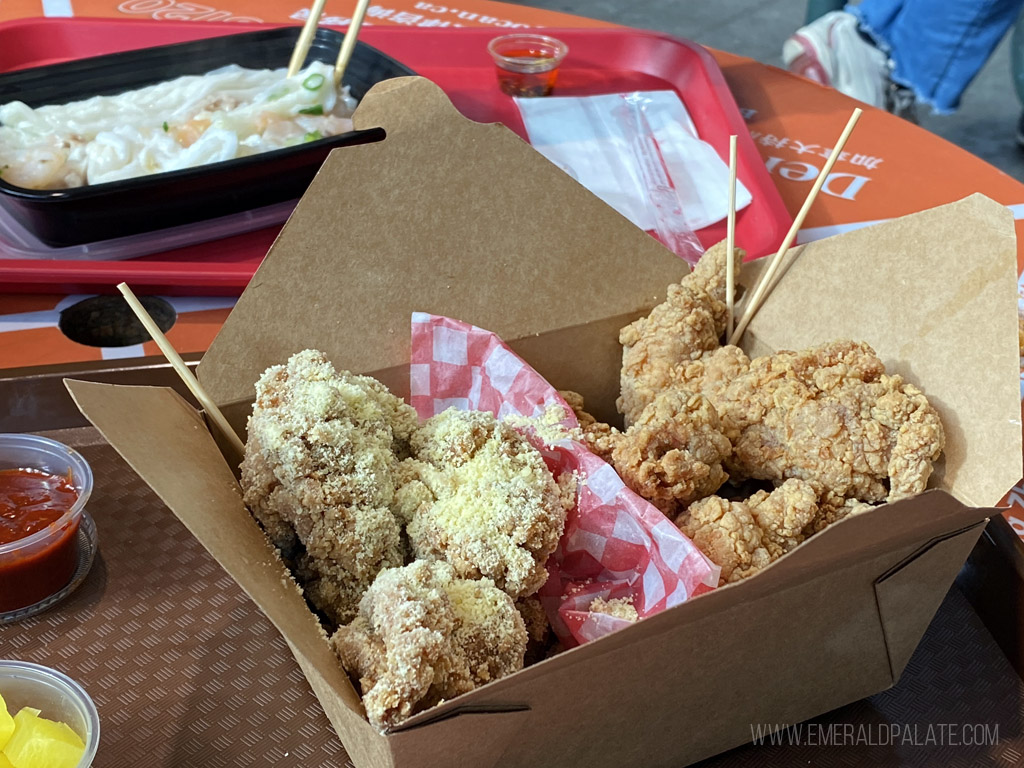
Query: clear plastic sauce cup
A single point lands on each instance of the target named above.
(56, 696)
(42, 563)
(527, 63)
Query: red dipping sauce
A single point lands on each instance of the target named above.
(527, 63)
(33, 505)
(528, 80)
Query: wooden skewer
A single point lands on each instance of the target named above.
(730, 239)
(306, 37)
(769, 274)
(348, 45)
(181, 369)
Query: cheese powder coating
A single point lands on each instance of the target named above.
(480, 497)
(319, 475)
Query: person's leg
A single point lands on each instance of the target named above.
(937, 46)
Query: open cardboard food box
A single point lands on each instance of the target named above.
(466, 220)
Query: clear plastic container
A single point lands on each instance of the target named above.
(36, 567)
(527, 63)
(56, 696)
(17, 242)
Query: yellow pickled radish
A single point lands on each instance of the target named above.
(6, 725)
(4, 762)
(41, 743)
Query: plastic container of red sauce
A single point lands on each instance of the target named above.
(44, 486)
(527, 64)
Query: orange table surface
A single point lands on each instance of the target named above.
(890, 167)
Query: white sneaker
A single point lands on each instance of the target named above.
(832, 52)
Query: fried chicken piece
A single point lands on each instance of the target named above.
(424, 635)
(711, 374)
(829, 415)
(671, 455)
(619, 608)
(538, 629)
(319, 475)
(689, 322)
(599, 437)
(726, 532)
(742, 537)
(480, 497)
(783, 515)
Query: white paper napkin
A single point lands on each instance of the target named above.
(588, 138)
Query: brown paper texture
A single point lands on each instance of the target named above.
(495, 235)
(492, 232)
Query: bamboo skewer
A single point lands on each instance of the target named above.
(182, 370)
(306, 37)
(773, 266)
(348, 45)
(730, 239)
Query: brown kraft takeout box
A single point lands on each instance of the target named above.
(466, 220)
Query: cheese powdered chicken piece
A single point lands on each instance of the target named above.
(480, 497)
(320, 473)
(424, 635)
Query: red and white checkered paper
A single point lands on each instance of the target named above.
(615, 544)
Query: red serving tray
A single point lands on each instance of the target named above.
(600, 61)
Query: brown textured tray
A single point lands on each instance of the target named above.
(186, 671)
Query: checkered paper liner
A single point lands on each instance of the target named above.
(615, 544)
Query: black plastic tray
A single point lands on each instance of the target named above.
(115, 209)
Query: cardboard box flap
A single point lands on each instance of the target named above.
(935, 294)
(935, 515)
(911, 593)
(493, 234)
(167, 443)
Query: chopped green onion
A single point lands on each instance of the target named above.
(165, 126)
(312, 136)
(313, 82)
(280, 94)
(316, 109)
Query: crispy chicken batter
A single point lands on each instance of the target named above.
(671, 455)
(829, 415)
(690, 321)
(479, 496)
(319, 475)
(745, 536)
(424, 635)
(599, 437)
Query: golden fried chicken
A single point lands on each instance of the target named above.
(599, 437)
(829, 415)
(319, 475)
(745, 536)
(671, 455)
(689, 322)
(480, 497)
(424, 635)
